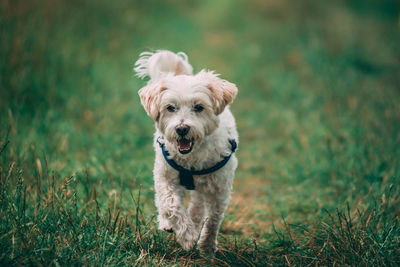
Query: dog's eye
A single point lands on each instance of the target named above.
(171, 108)
(198, 108)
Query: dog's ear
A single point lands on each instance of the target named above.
(150, 97)
(222, 91)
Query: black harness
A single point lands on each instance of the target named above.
(186, 175)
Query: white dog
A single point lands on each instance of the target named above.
(195, 141)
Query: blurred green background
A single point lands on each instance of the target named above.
(317, 111)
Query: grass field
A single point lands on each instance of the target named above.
(318, 115)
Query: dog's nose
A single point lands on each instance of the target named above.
(182, 129)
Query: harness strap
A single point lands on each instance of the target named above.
(186, 175)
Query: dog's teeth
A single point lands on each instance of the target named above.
(185, 145)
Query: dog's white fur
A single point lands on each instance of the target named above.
(172, 82)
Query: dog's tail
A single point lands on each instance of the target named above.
(161, 63)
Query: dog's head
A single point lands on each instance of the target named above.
(186, 107)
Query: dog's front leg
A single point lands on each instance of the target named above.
(216, 205)
(196, 208)
(172, 214)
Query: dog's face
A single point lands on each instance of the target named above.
(186, 108)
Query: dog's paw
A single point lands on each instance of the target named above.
(208, 249)
(164, 225)
(187, 239)
(166, 229)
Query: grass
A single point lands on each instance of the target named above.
(317, 112)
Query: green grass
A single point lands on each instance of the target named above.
(318, 115)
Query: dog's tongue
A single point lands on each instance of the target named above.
(184, 144)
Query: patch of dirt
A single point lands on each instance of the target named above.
(248, 212)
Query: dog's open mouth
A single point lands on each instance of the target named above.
(185, 145)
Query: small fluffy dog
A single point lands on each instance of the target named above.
(195, 141)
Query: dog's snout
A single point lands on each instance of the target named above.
(182, 129)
